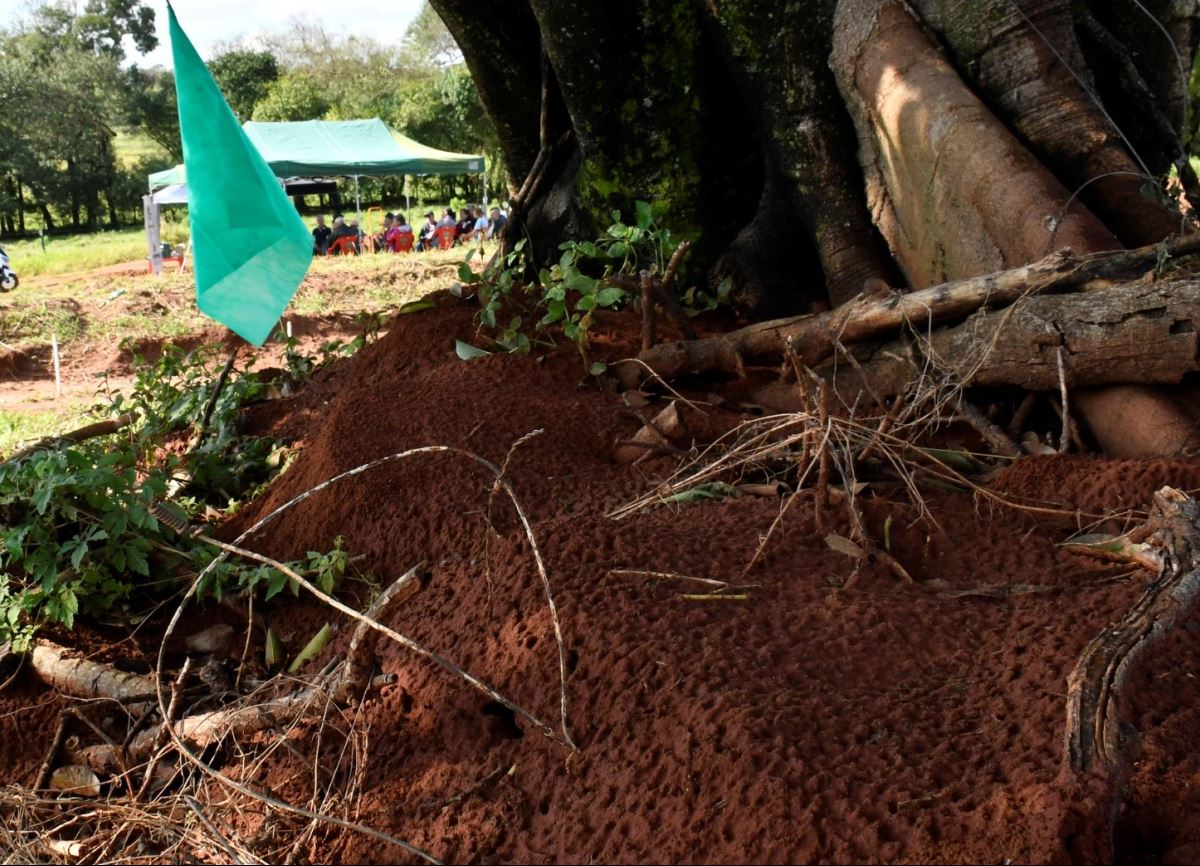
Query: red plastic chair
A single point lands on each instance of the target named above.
(402, 242)
(344, 245)
(445, 236)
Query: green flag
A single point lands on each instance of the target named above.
(250, 246)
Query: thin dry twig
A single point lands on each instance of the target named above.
(1064, 442)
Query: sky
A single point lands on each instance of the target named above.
(212, 22)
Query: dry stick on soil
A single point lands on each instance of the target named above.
(649, 313)
(487, 512)
(60, 734)
(407, 643)
(361, 651)
(358, 470)
(1094, 700)
(867, 318)
(228, 782)
(666, 575)
(994, 436)
(172, 716)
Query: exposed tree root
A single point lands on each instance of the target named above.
(1141, 332)
(1094, 739)
(814, 337)
(81, 678)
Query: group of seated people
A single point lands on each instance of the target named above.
(473, 225)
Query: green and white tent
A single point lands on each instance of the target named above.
(341, 148)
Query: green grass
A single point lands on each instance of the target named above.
(65, 254)
(36, 322)
(27, 426)
(132, 146)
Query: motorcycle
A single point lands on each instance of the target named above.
(8, 277)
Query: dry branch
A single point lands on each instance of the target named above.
(1094, 694)
(361, 652)
(81, 678)
(867, 318)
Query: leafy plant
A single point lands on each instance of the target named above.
(78, 524)
(589, 275)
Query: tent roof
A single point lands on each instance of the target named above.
(176, 193)
(168, 177)
(321, 148)
(351, 147)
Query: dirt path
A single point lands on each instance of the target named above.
(122, 269)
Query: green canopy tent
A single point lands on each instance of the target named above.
(167, 177)
(341, 148)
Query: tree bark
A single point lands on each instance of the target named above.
(1026, 60)
(1140, 332)
(813, 337)
(984, 139)
(954, 193)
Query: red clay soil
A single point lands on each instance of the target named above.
(892, 722)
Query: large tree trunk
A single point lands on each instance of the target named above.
(984, 138)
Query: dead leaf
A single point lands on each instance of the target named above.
(75, 779)
(845, 546)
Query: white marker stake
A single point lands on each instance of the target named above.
(288, 325)
(57, 366)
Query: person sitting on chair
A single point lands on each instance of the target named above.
(447, 218)
(479, 229)
(427, 240)
(399, 227)
(496, 224)
(466, 222)
(321, 236)
(379, 240)
(341, 230)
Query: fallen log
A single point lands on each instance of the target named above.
(814, 337)
(1147, 333)
(1095, 742)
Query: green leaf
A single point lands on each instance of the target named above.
(77, 555)
(136, 559)
(645, 214)
(586, 303)
(311, 649)
(610, 296)
(415, 307)
(598, 368)
(580, 282)
(41, 498)
(467, 352)
(618, 250)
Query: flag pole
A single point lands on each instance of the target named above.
(357, 203)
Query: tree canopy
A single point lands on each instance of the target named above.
(72, 99)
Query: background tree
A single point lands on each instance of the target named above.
(245, 77)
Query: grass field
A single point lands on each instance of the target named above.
(23, 427)
(67, 254)
(134, 146)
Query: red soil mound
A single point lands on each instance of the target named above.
(892, 722)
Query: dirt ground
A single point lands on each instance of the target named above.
(796, 721)
(107, 305)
